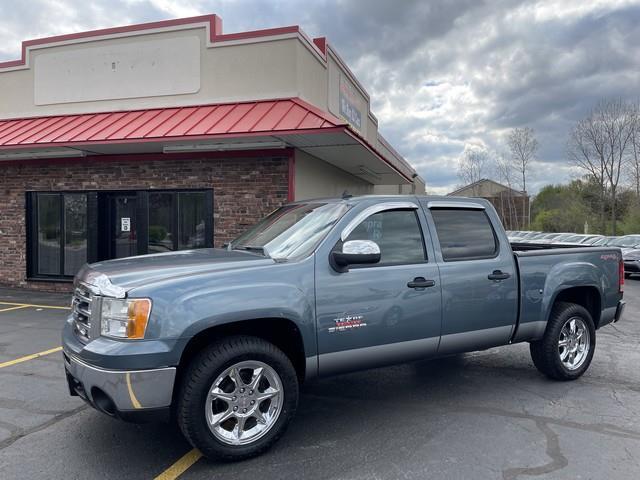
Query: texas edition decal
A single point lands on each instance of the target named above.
(348, 322)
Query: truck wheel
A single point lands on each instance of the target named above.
(567, 347)
(237, 398)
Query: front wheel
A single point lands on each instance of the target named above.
(566, 349)
(237, 398)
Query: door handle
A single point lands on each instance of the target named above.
(498, 275)
(421, 282)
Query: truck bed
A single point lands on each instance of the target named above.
(545, 270)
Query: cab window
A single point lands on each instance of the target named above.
(397, 233)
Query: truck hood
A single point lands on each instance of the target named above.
(116, 277)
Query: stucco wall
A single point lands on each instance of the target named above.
(315, 178)
(227, 73)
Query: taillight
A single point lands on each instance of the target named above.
(621, 275)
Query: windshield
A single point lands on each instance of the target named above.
(292, 231)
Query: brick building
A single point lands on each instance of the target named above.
(172, 135)
(513, 206)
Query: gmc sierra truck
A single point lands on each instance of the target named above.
(221, 339)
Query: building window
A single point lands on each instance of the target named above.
(65, 230)
(61, 225)
(176, 221)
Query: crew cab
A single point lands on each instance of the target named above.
(221, 339)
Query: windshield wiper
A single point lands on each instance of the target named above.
(252, 248)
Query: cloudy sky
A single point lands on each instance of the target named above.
(443, 76)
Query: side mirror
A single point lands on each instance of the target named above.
(355, 252)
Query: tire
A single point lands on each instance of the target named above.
(547, 352)
(627, 275)
(237, 359)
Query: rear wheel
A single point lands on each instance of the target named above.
(237, 398)
(566, 350)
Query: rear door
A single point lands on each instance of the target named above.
(478, 276)
(381, 313)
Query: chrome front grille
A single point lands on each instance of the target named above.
(81, 307)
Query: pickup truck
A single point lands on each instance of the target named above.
(221, 339)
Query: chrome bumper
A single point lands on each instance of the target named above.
(120, 391)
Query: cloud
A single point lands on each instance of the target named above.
(442, 75)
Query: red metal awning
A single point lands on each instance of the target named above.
(267, 124)
(151, 125)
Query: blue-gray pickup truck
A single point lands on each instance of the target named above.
(220, 339)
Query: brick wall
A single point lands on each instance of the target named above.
(244, 190)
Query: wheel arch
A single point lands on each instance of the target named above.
(586, 296)
(282, 332)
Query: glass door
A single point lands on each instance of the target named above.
(123, 240)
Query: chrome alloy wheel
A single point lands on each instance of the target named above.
(244, 402)
(574, 343)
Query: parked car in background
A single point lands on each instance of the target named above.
(604, 241)
(626, 243)
(575, 239)
(631, 259)
(591, 239)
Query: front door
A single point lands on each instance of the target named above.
(123, 240)
(382, 313)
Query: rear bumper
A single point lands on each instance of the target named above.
(132, 395)
(619, 310)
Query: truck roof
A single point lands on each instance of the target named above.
(355, 199)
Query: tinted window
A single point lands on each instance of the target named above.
(62, 233)
(75, 232)
(464, 234)
(191, 220)
(176, 221)
(396, 232)
(161, 237)
(49, 233)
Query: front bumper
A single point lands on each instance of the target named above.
(134, 395)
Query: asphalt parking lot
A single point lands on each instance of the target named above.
(483, 415)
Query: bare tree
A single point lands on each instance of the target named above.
(523, 146)
(600, 145)
(585, 150)
(472, 167)
(505, 172)
(616, 119)
(633, 165)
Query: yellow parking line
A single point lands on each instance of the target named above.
(35, 306)
(30, 357)
(181, 466)
(13, 308)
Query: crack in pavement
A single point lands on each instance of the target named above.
(20, 433)
(558, 460)
(13, 404)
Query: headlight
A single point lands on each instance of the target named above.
(124, 318)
